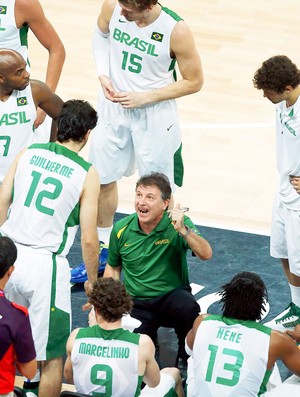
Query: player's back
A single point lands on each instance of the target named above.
(47, 189)
(106, 362)
(230, 357)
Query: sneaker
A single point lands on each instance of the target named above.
(289, 318)
(30, 389)
(78, 273)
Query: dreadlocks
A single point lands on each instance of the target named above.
(244, 297)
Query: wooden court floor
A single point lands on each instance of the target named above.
(228, 127)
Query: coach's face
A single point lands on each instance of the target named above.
(149, 205)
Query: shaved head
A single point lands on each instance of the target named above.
(13, 73)
(8, 58)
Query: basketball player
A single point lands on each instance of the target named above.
(136, 46)
(107, 360)
(17, 17)
(20, 97)
(49, 191)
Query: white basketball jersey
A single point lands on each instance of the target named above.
(140, 57)
(10, 36)
(230, 358)
(105, 362)
(17, 116)
(47, 189)
(288, 149)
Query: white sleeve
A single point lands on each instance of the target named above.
(101, 52)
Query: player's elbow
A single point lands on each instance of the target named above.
(62, 52)
(89, 241)
(197, 84)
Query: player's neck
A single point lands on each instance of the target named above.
(71, 145)
(292, 99)
(5, 94)
(109, 326)
(150, 17)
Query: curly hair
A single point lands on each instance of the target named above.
(139, 4)
(8, 254)
(75, 119)
(159, 180)
(244, 297)
(276, 74)
(110, 299)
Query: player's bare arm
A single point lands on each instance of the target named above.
(190, 338)
(68, 368)
(31, 13)
(88, 225)
(45, 99)
(282, 347)
(147, 363)
(6, 189)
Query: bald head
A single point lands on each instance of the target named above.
(13, 73)
(9, 58)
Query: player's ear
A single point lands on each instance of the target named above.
(10, 270)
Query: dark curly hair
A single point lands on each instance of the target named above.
(75, 119)
(110, 299)
(276, 74)
(8, 254)
(139, 4)
(159, 180)
(244, 297)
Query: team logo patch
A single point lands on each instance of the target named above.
(22, 101)
(157, 36)
(3, 10)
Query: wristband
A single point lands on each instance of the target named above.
(188, 231)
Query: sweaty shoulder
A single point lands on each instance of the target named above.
(93, 172)
(181, 30)
(110, 4)
(36, 84)
(108, 9)
(25, 10)
(145, 341)
(38, 89)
